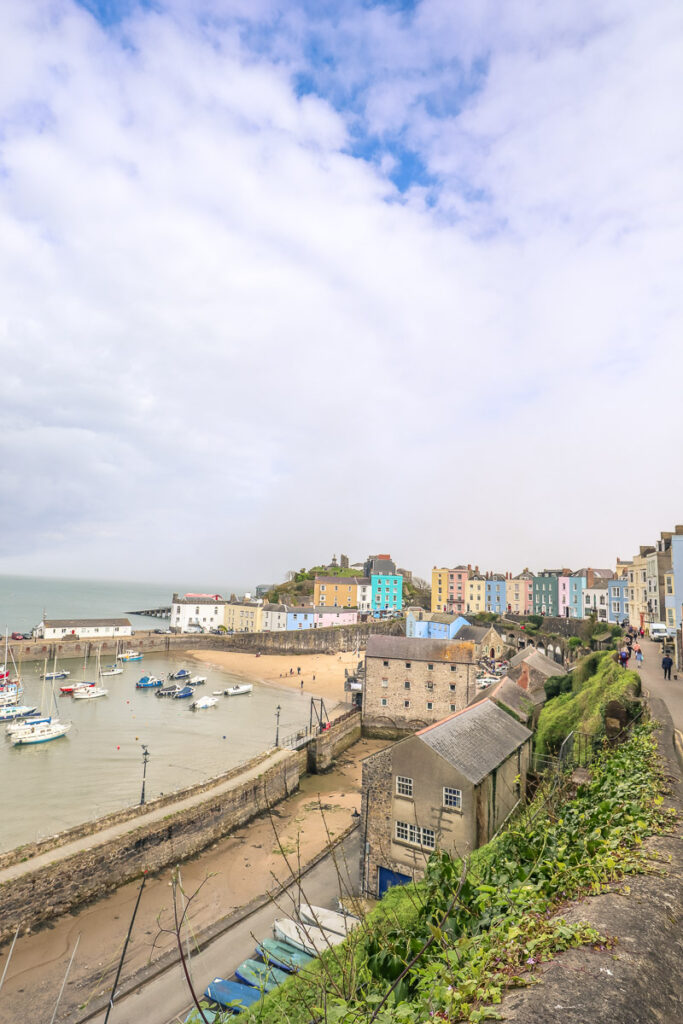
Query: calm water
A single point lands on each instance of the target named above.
(97, 767)
(23, 599)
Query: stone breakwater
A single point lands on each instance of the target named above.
(43, 880)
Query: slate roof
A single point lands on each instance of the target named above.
(476, 740)
(472, 634)
(538, 661)
(89, 623)
(409, 649)
(515, 697)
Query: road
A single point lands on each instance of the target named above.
(668, 690)
(165, 999)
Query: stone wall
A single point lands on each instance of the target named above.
(37, 896)
(328, 640)
(343, 733)
(375, 824)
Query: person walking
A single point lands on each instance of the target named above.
(639, 657)
(666, 665)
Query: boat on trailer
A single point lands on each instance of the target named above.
(305, 937)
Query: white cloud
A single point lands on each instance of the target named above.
(228, 346)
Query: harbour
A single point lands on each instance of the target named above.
(97, 767)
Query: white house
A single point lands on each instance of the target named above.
(596, 600)
(84, 629)
(274, 618)
(364, 594)
(204, 610)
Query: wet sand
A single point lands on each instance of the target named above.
(322, 674)
(234, 871)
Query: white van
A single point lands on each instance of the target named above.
(658, 631)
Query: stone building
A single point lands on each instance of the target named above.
(487, 641)
(411, 682)
(449, 787)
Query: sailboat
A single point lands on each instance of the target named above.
(38, 730)
(89, 691)
(112, 670)
(57, 673)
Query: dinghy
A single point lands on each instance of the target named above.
(226, 993)
(262, 976)
(282, 955)
(308, 938)
(328, 920)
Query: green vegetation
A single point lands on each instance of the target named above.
(449, 945)
(595, 681)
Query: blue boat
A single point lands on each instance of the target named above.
(282, 955)
(145, 682)
(185, 691)
(210, 1016)
(261, 976)
(226, 993)
(182, 673)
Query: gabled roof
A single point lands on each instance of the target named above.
(516, 697)
(410, 649)
(475, 740)
(473, 634)
(538, 661)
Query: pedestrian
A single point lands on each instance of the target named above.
(639, 657)
(302, 685)
(642, 632)
(298, 671)
(666, 665)
(623, 657)
(313, 678)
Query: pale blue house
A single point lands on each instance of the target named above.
(617, 600)
(300, 618)
(387, 593)
(425, 625)
(577, 585)
(495, 595)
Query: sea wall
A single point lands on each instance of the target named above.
(35, 894)
(304, 641)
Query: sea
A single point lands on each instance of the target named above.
(98, 766)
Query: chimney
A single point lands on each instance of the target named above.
(469, 567)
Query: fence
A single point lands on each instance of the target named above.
(301, 737)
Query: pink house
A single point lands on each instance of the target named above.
(334, 617)
(563, 596)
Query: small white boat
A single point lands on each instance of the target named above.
(129, 656)
(203, 702)
(111, 670)
(235, 691)
(89, 692)
(217, 693)
(40, 732)
(307, 938)
(197, 680)
(328, 920)
(59, 673)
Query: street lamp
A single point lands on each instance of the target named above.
(145, 759)
(277, 725)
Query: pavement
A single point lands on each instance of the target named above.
(670, 691)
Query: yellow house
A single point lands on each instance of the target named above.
(335, 592)
(439, 589)
(243, 617)
(476, 594)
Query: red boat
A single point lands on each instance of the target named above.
(70, 687)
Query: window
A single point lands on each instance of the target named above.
(409, 664)
(452, 668)
(386, 664)
(383, 702)
(404, 786)
(430, 666)
(406, 703)
(430, 705)
(322, 586)
(415, 835)
(430, 685)
(452, 707)
(385, 681)
(452, 797)
(452, 687)
(406, 685)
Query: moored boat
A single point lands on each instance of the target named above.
(282, 955)
(184, 691)
(145, 682)
(20, 724)
(129, 656)
(203, 702)
(305, 937)
(168, 691)
(329, 920)
(197, 680)
(111, 670)
(262, 976)
(10, 693)
(232, 994)
(12, 711)
(58, 674)
(181, 673)
(40, 732)
(89, 692)
(235, 691)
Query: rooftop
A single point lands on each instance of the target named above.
(90, 623)
(473, 634)
(409, 649)
(476, 740)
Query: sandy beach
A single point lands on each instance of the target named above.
(234, 871)
(322, 674)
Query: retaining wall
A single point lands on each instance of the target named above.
(323, 749)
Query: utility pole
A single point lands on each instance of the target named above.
(277, 725)
(145, 759)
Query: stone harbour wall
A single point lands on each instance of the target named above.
(342, 734)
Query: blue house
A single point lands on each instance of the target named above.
(387, 592)
(617, 600)
(495, 595)
(577, 585)
(300, 618)
(425, 625)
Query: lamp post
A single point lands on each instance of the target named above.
(145, 759)
(277, 725)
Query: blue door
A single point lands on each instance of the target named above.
(388, 878)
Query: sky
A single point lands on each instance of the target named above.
(286, 279)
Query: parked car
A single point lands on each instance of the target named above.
(17, 636)
(28, 636)
(160, 631)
